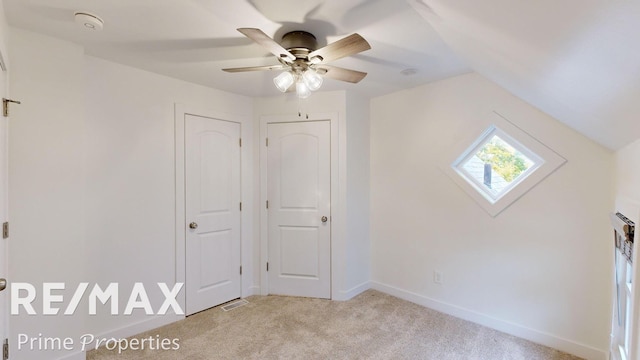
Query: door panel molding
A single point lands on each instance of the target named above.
(335, 189)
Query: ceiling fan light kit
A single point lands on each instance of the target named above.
(302, 90)
(305, 83)
(302, 62)
(284, 81)
(312, 79)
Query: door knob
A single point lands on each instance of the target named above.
(3, 284)
(324, 219)
(193, 225)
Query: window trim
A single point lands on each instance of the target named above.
(487, 136)
(550, 162)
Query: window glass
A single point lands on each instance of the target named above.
(497, 164)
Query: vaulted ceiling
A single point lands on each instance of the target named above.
(577, 60)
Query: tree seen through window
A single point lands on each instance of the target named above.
(504, 159)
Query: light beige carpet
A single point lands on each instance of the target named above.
(373, 325)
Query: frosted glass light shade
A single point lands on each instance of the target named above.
(302, 90)
(312, 79)
(283, 81)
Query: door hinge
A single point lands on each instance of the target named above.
(240, 205)
(240, 269)
(267, 204)
(5, 349)
(267, 141)
(240, 142)
(5, 106)
(5, 230)
(267, 266)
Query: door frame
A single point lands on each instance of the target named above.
(4, 201)
(335, 190)
(246, 191)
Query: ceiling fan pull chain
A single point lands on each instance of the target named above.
(301, 110)
(299, 107)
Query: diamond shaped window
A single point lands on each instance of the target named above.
(496, 163)
(499, 167)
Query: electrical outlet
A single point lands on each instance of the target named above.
(437, 277)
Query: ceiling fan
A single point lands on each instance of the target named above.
(303, 63)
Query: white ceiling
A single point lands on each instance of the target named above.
(194, 39)
(577, 60)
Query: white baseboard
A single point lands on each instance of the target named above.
(569, 346)
(344, 295)
(139, 327)
(251, 290)
(75, 356)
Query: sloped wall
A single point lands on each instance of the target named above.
(541, 269)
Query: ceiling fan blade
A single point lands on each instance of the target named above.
(255, 68)
(350, 45)
(268, 43)
(342, 74)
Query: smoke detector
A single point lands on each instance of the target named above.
(88, 21)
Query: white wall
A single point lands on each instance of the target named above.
(4, 33)
(541, 269)
(93, 160)
(130, 174)
(358, 244)
(92, 177)
(46, 177)
(628, 171)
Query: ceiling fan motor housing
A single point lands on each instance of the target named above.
(299, 43)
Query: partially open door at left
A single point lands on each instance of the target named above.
(4, 216)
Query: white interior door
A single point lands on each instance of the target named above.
(4, 168)
(212, 193)
(299, 208)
